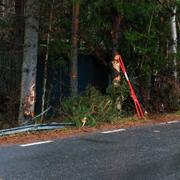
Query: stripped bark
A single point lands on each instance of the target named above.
(116, 67)
(28, 81)
(115, 33)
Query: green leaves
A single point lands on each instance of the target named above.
(133, 36)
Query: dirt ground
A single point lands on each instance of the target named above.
(73, 131)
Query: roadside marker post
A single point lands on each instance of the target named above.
(139, 110)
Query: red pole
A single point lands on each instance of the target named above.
(139, 110)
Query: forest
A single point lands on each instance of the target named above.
(57, 57)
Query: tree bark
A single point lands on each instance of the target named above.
(46, 61)
(115, 65)
(115, 33)
(74, 48)
(28, 81)
(174, 42)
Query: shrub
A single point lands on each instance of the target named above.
(91, 106)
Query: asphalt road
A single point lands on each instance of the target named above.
(144, 153)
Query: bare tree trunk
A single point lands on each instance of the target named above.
(174, 42)
(74, 48)
(28, 81)
(46, 61)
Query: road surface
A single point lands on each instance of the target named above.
(142, 153)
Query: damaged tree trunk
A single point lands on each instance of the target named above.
(28, 80)
(115, 64)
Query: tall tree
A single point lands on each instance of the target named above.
(116, 28)
(171, 7)
(174, 40)
(46, 58)
(28, 81)
(74, 47)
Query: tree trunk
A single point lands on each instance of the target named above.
(28, 81)
(115, 65)
(46, 61)
(174, 42)
(115, 33)
(74, 48)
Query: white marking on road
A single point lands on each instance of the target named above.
(164, 123)
(156, 131)
(35, 143)
(171, 122)
(113, 131)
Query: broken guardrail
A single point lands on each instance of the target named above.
(34, 127)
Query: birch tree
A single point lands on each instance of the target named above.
(174, 40)
(172, 8)
(28, 81)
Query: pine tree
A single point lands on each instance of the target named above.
(74, 47)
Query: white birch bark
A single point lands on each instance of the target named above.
(28, 81)
(174, 41)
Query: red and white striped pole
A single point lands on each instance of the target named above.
(139, 110)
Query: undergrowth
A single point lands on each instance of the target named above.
(91, 107)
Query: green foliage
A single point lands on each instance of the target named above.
(121, 91)
(61, 28)
(144, 37)
(94, 106)
(91, 105)
(166, 92)
(145, 40)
